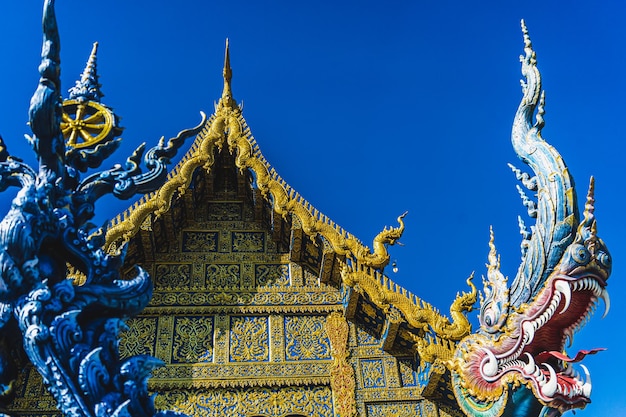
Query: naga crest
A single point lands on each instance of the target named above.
(518, 353)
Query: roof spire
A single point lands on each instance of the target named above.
(88, 88)
(227, 95)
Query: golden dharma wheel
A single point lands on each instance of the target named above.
(85, 123)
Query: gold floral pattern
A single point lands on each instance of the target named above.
(249, 340)
(372, 373)
(403, 409)
(248, 241)
(272, 275)
(193, 339)
(172, 275)
(200, 241)
(223, 276)
(139, 338)
(306, 338)
(313, 401)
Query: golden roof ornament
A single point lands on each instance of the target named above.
(227, 99)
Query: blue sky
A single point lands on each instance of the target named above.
(369, 109)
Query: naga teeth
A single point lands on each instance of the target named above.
(607, 302)
(490, 367)
(587, 385)
(529, 332)
(549, 387)
(530, 367)
(564, 288)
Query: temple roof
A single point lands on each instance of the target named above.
(402, 318)
(227, 126)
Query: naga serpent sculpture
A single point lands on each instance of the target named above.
(70, 332)
(515, 364)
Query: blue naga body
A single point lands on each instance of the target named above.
(515, 364)
(70, 332)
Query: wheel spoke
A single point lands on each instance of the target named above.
(72, 139)
(85, 135)
(96, 116)
(80, 112)
(95, 126)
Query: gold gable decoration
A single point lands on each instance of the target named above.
(259, 327)
(228, 128)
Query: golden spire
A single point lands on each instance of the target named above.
(227, 99)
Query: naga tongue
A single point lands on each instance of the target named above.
(545, 355)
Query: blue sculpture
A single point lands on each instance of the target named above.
(515, 364)
(70, 332)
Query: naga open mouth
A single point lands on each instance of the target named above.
(539, 334)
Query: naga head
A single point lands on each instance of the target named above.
(518, 353)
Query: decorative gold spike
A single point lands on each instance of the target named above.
(227, 99)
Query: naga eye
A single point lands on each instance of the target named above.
(604, 259)
(580, 254)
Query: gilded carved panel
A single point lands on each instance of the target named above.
(408, 375)
(225, 211)
(267, 275)
(174, 275)
(398, 409)
(223, 275)
(193, 340)
(249, 339)
(200, 241)
(372, 373)
(305, 338)
(139, 338)
(248, 242)
(312, 401)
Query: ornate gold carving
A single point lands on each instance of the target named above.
(402, 409)
(271, 275)
(260, 301)
(249, 340)
(342, 379)
(313, 401)
(223, 276)
(225, 211)
(372, 373)
(277, 338)
(417, 313)
(140, 337)
(305, 338)
(172, 275)
(221, 338)
(241, 374)
(248, 241)
(199, 241)
(193, 339)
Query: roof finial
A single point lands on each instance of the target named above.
(227, 94)
(88, 88)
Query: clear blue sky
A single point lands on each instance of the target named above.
(369, 109)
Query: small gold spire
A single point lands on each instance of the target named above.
(227, 95)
